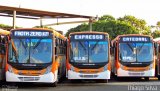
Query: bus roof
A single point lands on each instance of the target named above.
(125, 35)
(88, 32)
(57, 34)
(4, 32)
(157, 40)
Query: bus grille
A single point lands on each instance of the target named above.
(88, 76)
(94, 71)
(136, 74)
(29, 78)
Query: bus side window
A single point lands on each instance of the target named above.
(158, 50)
(115, 50)
(57, 48)
(2, 45)
(111, 49)
(60, 46)
(56, 40)
(56, 44)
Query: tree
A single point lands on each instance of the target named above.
(43, 27)
(107, 18)
(139, 24)
(156, 34)
(7, 27)
(79, 28)
(115, 27)
(158, 25)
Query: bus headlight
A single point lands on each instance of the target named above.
(105, 67)
(72, 68)
(150, 66)
(48, 69)
(10, 69)
(121, 66)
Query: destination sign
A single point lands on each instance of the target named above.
(135, 39)
(31, 33)
(88, 37)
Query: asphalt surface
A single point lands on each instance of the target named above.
(124, 84)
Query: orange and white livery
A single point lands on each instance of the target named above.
(133, 56)
(88, 56)
(157, 53)
(36, 55)
(3, 43)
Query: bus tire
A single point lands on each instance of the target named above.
(55, 84)
(105, 81)
(146, 78)
(118, 78)
(57, 80)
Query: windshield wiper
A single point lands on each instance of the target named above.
(141, 47)
(130, 46)
(83, 46)
(23, 44)
(95, 45)
(37, 43)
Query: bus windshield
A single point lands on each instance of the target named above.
(136, 52)
(31, 51)
(89, 51)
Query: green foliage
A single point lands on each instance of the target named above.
(43, 27)
(6, 27)
(106, 18)
(114, 27)
(82, 27)
(156, 34)
(158, 23)
(139, 24)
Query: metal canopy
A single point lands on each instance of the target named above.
(35, 14)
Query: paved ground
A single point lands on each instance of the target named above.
(129, 84)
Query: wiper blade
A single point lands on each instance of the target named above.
(141, 47)
(95, 45)
(130, 46)
(23, 44)
(83, 46)
(37, 43)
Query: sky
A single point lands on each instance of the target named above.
(142, 9)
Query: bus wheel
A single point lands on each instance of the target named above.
(105, 81)
(158, 77)
(55, 84)
(146, 78)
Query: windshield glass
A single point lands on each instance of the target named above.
(89, 51)
(31, 51)
(136, 52)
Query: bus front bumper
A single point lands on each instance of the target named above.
(125, 73)
(46, 78)
(101, 75)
